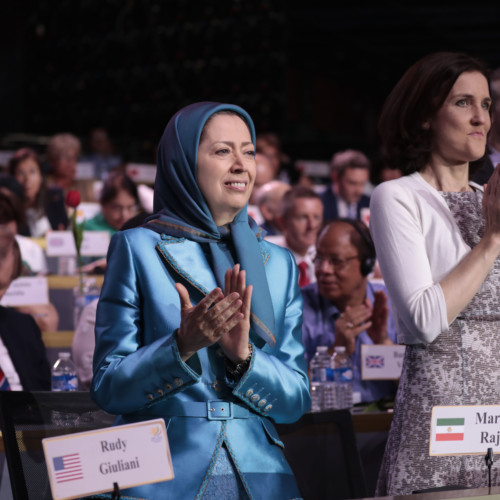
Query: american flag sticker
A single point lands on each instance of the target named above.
(375, 361)
(67, 468)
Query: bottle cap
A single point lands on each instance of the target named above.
(340, 348)
(322, 348)
(64, 355)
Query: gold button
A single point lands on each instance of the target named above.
(268, 407)
(150, 397)
(168, 387)
(255, 397)
(160, 392)
(249, 392)
(178, 382)
(262, 402)
(216, 386)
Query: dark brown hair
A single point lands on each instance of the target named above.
(19, 157)
(117, 181)
(10, 208)
(7, 243)
(415, 99)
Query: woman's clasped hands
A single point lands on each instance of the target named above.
(222, 317)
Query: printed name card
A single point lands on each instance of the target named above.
(465, 430)
(381, 362)
(62, 244)
(26, 291)
(91, 462)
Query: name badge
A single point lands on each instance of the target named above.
(464, 430)
(381, 362)
(90, 462)
(26, 291)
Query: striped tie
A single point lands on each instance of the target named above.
(4, 383)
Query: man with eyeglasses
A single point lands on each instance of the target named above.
(344, 307)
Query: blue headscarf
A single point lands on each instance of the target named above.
(181, 210)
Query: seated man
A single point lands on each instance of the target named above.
(268, 201)
(23, 360)
(300, 219)
(350, 175)
(344, 307)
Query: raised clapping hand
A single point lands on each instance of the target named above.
(491, 203)
(222, 318)
(357, 319)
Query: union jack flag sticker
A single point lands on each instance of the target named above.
(375, 361)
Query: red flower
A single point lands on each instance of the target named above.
(73, 198)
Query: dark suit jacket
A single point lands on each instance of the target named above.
(330, 210)
(23, 340)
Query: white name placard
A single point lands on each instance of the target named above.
(465, 430)
(141, 172)
(381, 362)
(62, 243)
(90, 462)
(95, 243)
(26, 291)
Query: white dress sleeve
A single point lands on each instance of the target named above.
(401, 243)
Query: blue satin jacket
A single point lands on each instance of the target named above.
(138, 372)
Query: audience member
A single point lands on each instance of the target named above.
(301, 218)
(101, 153)
(12, 216)
(344, 308)
(268, 202)
(23, 359)
(269, 144)
(43, 206)
(264, 173)
(63, 152)
(32, 257)
(119, 202)
(350, 173)
(492, 157)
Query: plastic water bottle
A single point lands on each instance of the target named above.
(343, 374)
(91, 290)
(84, 296)
(64, 376)
(322, 384)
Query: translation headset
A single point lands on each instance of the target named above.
(368, 263)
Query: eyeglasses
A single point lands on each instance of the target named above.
(333, 261)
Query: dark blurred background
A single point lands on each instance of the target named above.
(315, 75)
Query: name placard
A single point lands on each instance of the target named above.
(141, 172)
(381, 362)
(26, 291)
(90, 462)
(62, 244)
(465, 430)
(95, 243)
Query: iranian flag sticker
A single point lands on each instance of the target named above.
(450, 429)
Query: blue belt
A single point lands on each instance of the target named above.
(212, 410)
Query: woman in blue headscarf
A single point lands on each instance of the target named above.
(199, 319)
